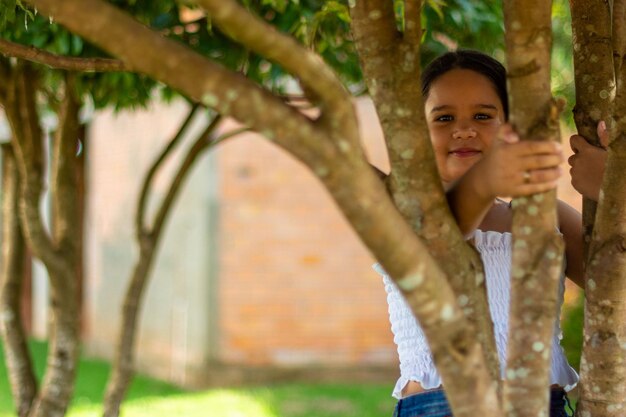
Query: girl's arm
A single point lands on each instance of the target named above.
(510, 168)
(571, 225)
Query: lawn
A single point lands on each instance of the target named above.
(148, 397)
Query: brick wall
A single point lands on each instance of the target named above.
(296, 285)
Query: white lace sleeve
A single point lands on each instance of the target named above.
(416, 363)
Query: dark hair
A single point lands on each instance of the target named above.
(470, 60)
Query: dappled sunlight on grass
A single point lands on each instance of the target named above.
(280, 401)
(149, 397)
(223, 403)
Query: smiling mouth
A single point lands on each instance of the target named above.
(465, 152)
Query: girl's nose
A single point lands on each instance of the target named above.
(464, 132)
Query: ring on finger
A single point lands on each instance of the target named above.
(526, 177)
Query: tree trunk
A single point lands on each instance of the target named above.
(123, 365)
(148, 236)
(603, 363)
(537, 246)
(594, 79)
(57, 252)
(17, 356)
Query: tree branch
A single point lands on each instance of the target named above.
(17, 356)
(23, 117)
(412, 21)
(64, 180)
(230, 94)
(140, 227)
(308, 67)
(39, 56)
(203, 143)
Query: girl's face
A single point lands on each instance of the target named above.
(464, 113)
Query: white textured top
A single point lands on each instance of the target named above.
(416, 363)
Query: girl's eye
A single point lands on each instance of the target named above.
(444, 118)
(482, 116)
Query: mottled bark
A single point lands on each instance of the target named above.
(57, 251)
(17, 356)
(603, 363)
(390, 62)
(537, 246)
(594, 78)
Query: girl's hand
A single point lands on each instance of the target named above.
(588, 163)
(512, 168)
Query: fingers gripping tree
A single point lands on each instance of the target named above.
(402, 232)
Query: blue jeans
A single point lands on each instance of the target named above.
(434, 404)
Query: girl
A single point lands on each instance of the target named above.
(480, 158)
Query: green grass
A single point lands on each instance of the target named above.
(572, 326)
(148, 397)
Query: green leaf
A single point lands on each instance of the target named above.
(7, 12)
(437, 6)
(76, 45)
(278, 5)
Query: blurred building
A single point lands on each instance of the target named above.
(257, 268)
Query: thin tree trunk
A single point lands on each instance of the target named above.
(17, 356)
(63, 351)
(57, 252)
(537, 246)
(594, 79)
(148, 236)
(603, 363)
